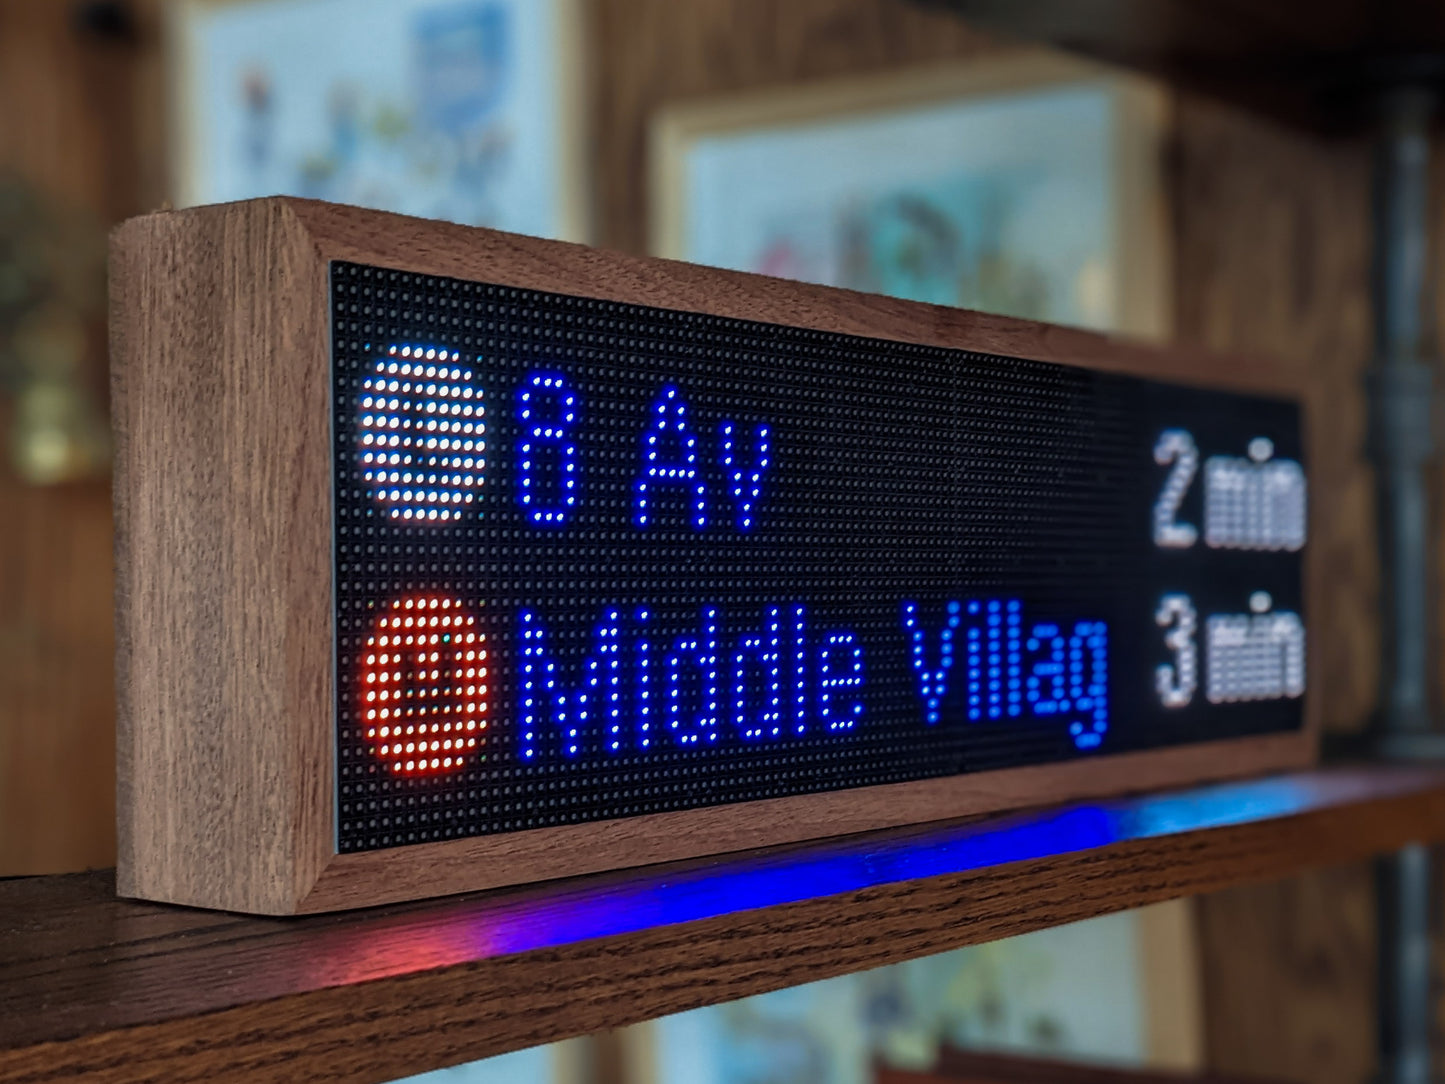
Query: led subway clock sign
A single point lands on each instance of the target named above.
(573, 561)
(594, 563)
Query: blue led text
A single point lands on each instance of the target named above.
(1047, 672)
(758, 684)
(669, 457)
(840, 668)
(745, 483)
(547, 413)
(932, 675)
(421, 437)
(772, 677)
(570, 711)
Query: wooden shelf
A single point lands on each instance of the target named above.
(124, 991)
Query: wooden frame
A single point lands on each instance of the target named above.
(1142, 110)
(221, 401)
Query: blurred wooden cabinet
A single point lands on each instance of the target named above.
(57, 741)
(74, 126)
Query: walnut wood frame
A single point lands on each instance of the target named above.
(225, 678)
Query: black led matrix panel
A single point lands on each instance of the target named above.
(595, 560)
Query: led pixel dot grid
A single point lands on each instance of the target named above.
(597, 560)
(424, 694)
(422, 437)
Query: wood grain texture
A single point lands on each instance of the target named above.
(134, 992)
(223, 543)
(224, 607)
(1290, 977)
(1273, 255)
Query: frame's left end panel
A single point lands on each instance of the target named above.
(224, 672)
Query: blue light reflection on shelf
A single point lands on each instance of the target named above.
(643, 900)
(698, 895)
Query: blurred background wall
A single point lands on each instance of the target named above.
(77, 140)
(1267, 232)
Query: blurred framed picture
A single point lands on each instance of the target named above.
(1120, 989)
(569, 1061)
(1023, 183)
(462, 110)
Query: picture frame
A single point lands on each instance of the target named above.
(894, 157)
(471, 114)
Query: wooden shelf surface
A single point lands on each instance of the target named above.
(123, 991)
